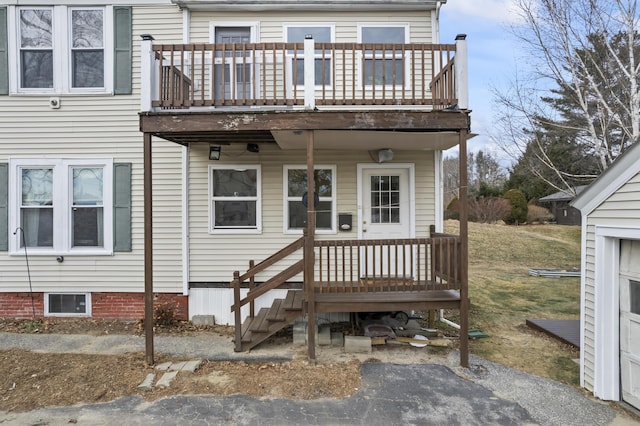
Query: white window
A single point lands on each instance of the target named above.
(320, 34)
(384, 67)
(61, 206)
(296, 200)
(61, 49)
(235, 199)
(67, 304)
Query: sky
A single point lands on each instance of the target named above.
(492, 56)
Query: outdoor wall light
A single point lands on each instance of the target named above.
(382, 155)
(214, 152)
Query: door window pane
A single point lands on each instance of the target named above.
(226, 76)
(634, 296)
(385, 199)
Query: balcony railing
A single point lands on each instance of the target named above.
(302, 74)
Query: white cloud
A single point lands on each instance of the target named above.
(492, 10)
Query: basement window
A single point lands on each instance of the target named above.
(67, 304)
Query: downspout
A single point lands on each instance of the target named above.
(435, 24)
(439, 191)
(186, 22)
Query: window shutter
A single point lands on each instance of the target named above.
(122, 207)
(123, 50)
(4, 53)
(4, 206)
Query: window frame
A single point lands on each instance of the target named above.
(62, 205)
(286, 198)
(372, 56)
(212, 229)
(317, 55)
(87, 301)
(62, 52)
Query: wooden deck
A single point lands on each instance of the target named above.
(387, 301)
(567, 331)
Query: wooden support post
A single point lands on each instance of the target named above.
(464, 252)
(237, 315)
(148, 250)
(309, 260)
(252, 285)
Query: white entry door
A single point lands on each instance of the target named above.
(630, 321)
(387, 212)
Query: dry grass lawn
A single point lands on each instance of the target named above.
(503, 294)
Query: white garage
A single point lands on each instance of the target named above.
(610, 305)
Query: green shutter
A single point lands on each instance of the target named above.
(4, 53)
(123, 50)
(122, 207)
(4, 206)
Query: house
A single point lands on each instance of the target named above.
(563, 212)
(610, 295)
(161, 150)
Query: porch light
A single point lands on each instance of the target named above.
(385, 155)
(214, 152)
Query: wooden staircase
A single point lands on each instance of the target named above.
(269, 321)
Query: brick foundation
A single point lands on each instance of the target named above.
(18, 305)
(112, 306)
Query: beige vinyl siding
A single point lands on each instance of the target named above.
(214, 257)
(271, 24)
(621, 209)
(97, 127)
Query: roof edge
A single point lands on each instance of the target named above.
(261, 5)
(624, 168)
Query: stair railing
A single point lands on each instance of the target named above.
(256, 291)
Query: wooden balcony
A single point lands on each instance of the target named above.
(305, 75)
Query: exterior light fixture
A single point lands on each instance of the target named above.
(385, 155)
(214, 152)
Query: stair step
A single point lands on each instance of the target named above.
(260, 322)
(293, 301)
(276, 312)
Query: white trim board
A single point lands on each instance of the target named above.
(606, 384)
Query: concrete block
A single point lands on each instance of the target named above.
(203, 320)
(324, 335)
(337, 339)
(166, 379)
(192, 366)
(164, 366)
(147, 383)
(357, 344)
(300, 333)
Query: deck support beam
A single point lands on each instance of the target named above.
(464, 252)
(309, 260)
(148, 250)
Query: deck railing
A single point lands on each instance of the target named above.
(302, 74)
(356, 266)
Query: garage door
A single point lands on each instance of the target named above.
(630, 321)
